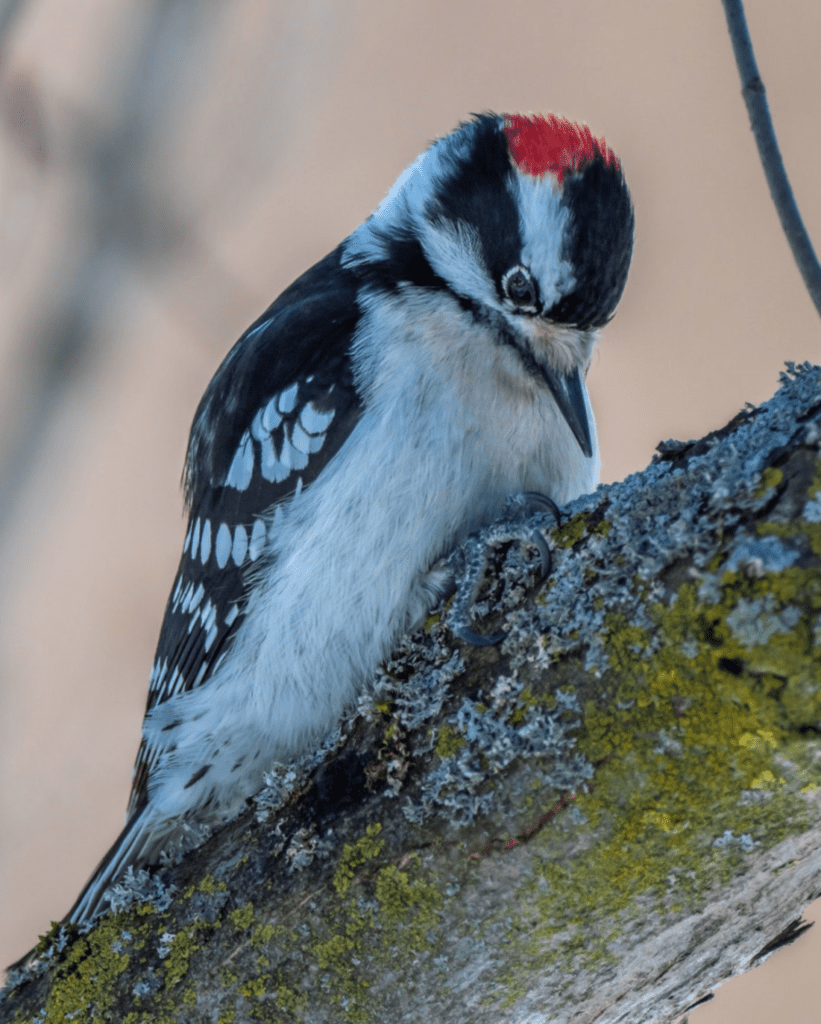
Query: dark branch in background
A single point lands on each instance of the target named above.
(755, 96)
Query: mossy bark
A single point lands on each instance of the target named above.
(600, 819)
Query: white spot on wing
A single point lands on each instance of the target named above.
(240, 545)
(195, 539)
(317, 440)
(205, 544)
(158, 673)
(201, 673)
(209, 614)
(187, 539)
(233, 612)
(222, 548)
(300, 440)
(258, 432)
(242, 467)
(314, 420)
(298, 488)
(270, 417)
(287, 399)
(185, 597)
(257, 539)
(291, 456)
(272, 468)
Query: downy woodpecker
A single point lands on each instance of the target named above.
(384, 407)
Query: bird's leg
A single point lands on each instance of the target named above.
(468, 563)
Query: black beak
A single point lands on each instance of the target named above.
(568, 390)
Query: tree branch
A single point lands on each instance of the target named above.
(598, 821)
(755, 96)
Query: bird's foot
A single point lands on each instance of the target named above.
(468, 563)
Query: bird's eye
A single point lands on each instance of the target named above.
(520, 288)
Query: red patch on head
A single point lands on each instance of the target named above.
(540, 144)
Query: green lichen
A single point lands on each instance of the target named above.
(571, 532)
(181, 948)
(354, 855)
(254, 988)
(85, 982)
(409, 906)
(770, 477)
(691, 745)
(208, 885)
(393, 916)
(449, 741)
(800, 528)
(242, 917)
(262, 935)
(812, 532)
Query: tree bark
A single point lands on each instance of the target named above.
(598, 820)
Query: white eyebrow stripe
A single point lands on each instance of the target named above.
(540, 203)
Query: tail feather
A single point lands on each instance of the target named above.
(138, 845)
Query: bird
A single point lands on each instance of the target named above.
(384, 408)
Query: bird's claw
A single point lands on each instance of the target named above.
(472, 560)
(477, 639)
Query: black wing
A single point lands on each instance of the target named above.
(277, 410)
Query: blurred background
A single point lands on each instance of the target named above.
(168, 166)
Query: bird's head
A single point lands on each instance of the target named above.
(528, 221)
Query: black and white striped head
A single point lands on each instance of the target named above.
(528, 221)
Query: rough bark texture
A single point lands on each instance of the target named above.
(599, 820)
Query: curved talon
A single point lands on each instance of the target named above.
(476, 638)
(471, 558)
(545, 556)
(538, 502)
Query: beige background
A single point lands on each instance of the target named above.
(259, 134)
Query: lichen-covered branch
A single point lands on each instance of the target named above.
(600, 819)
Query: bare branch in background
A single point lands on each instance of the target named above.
(142, 179)
(755, 96)
(9, 10)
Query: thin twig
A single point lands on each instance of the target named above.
(752, 89)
